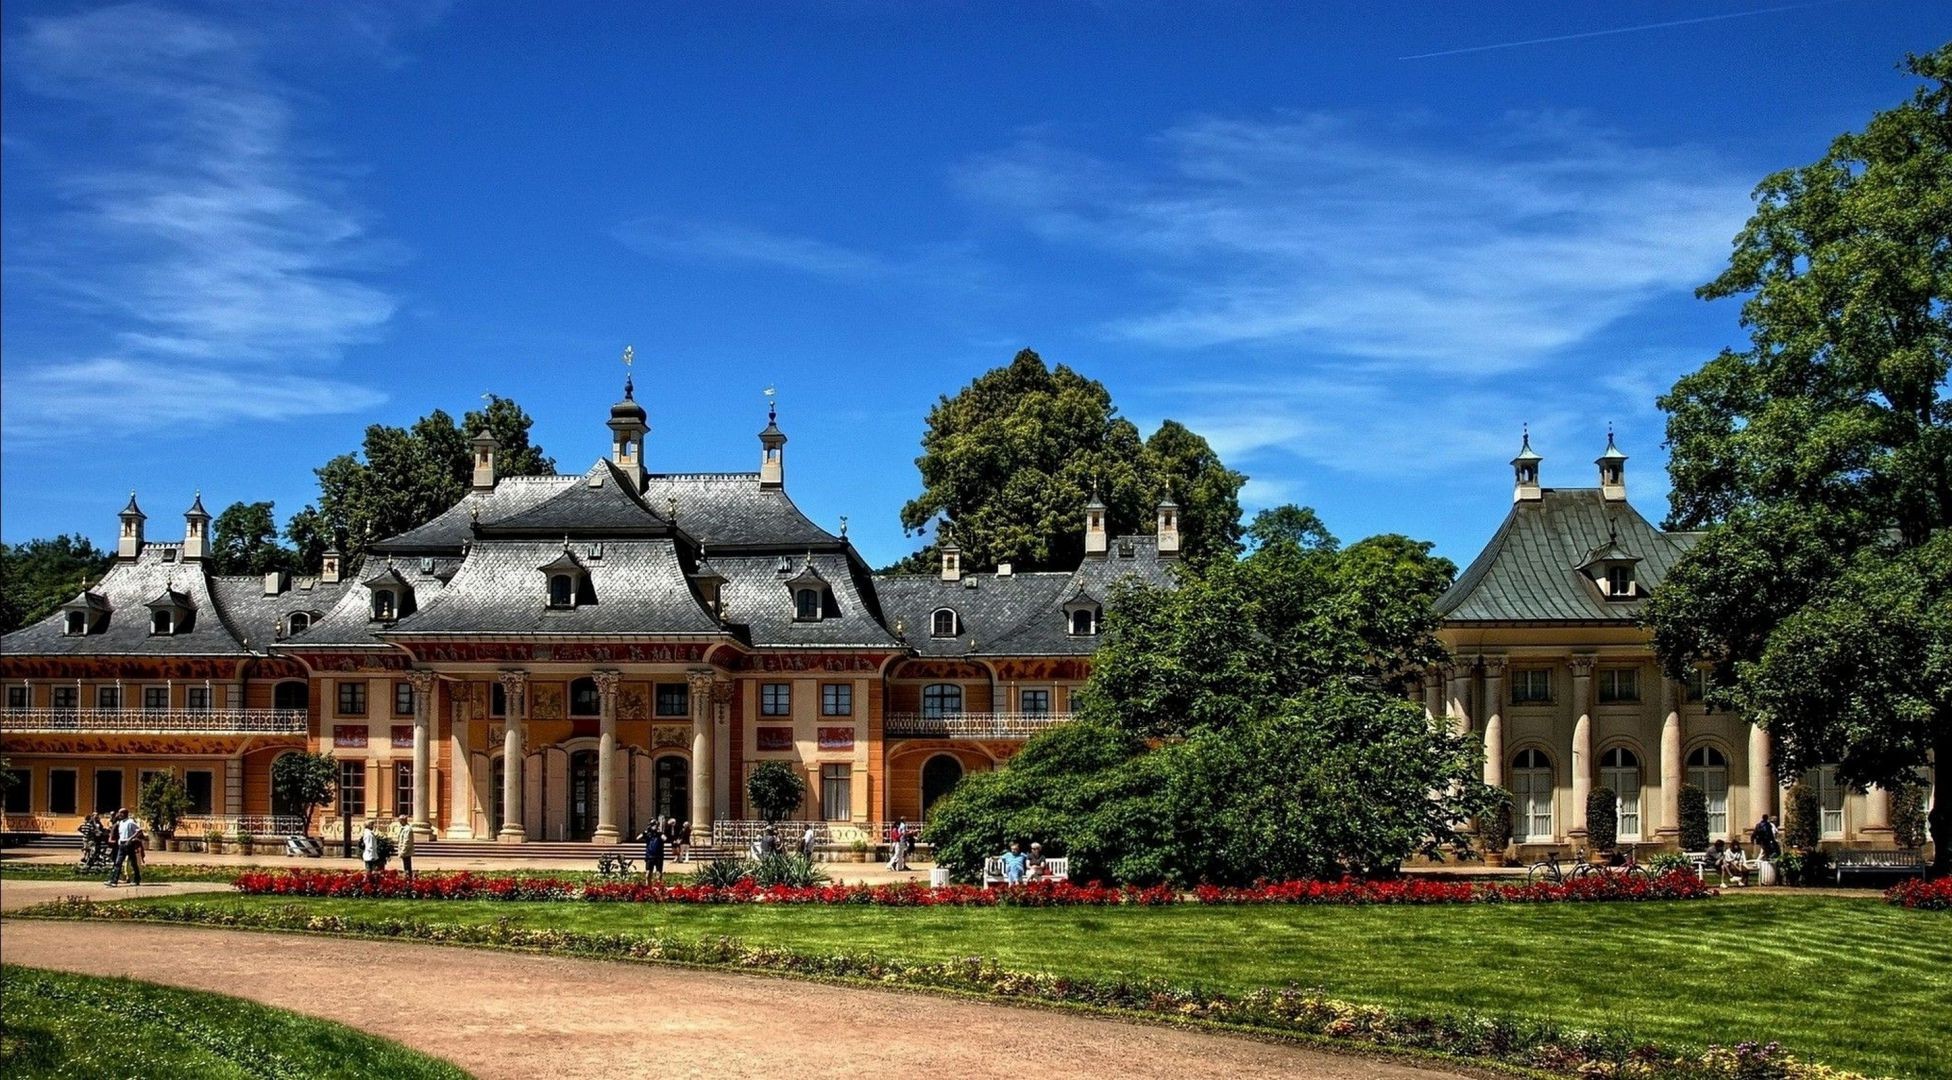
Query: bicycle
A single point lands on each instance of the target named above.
(1547, 870)
(609, 864)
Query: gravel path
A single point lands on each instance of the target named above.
(516, 1015)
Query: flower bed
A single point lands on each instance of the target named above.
(1538, 1046)
(467, 886)
(1922, 895)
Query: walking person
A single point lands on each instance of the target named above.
(684, 842)
(371, 852)
(126, 832)
(1764, 836)
(899, 860)
(403, 842)
(654, 855)
(806, 843)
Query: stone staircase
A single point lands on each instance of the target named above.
(577, 851)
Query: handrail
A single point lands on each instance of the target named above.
(989, 725)
(159, 721)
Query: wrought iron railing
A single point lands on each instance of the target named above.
(159, 721)
(970, 725)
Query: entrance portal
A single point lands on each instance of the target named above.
(582, 794)
(672, 783)
(940, 776)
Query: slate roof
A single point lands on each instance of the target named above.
(732, 510)
(1047, 632)
(639, 585)
(128, 587)
(758, 600)
(348, 623)
(1530, 570)
(452, 528)
(260, 619)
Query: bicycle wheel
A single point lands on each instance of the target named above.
(1541, 872)
(1583, 870)
(1639, 873)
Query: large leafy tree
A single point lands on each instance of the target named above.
(244, 540)
(1008, 462)
(37, 576)
(404, 476)
(1819, 459)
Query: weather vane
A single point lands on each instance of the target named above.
(629, 355)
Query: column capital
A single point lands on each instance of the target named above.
(1582, 665)
(512, 679)
(423, 681)
(1494, 666)
(722, 692)
(607, 681)
(700, 680)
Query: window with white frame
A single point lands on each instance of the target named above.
(1531, 791)
(1619, 685)
(352, 789)
(1830, 795)
(1531, 686)
(1620, 770)
(155, 699)
(77, 624)
(298, 622)
(806, 605)
(776, 699)
(1708, 770)
(403, 787)
(1697, 683)
(160, 622)
(941, 699)
(1034, 702)
(837, 699)
(942, 623)
(837, 792)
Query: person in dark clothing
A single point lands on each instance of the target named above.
(1765, 838)
(654, 856)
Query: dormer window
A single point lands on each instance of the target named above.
(385, 607)
(806, 605)
(1619, 581)
(1610, 568)
(944, 623)
(298, 622)
(161, 623)
(77, 624)
(569, 580)
(392, 596)
(813, 598)
(1081, 614)
(170, 612)
(562, 591)
(1083, 623)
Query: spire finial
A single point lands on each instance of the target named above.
(630, 354)
(671, 509)
(843, 526)
(772, 406)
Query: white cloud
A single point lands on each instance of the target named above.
(197, 241)
(1391, 242)
(734, 243)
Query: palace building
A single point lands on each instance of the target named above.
(555, 658)
(1552, 669)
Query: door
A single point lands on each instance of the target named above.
(582, 794)
(672, 780)
(940, 776)
(108, 790)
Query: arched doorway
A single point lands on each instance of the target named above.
(939, 777)
(671, 787)
(582, 794)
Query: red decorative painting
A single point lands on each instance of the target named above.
(837, 738)
(403, 736)
(351, 737)
(775, 738)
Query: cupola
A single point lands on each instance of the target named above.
(171, 612)
(951, 562)
(329, 566)
(1613, 471)
(813, 598)
(391, 595)
(628, 426)
(772, 450)
(1525, 472)
(1095, 540)
(485, 449)
(709, 583)
(567, 580)
(1167, 531)
(196, 530)
(129, 544)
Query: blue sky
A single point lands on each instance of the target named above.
(233, 235)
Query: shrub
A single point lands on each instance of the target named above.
(1694, 818)
(775, 790)
(1922, 895)
(1602, 819)
(1495, 825)
(305, 780)
(723, 873)
(1908, 816)
(1664, 862)
(792, 871)
(163, 802)
(1802, 819)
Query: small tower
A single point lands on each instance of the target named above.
(329, 571)
(1095, 541)
(485, 447)
(628, 427)
(1167, 532)
(1613, 471)
(772, 449)
(129, 544)
(196, 530)
(1525, 472)
(951, 562)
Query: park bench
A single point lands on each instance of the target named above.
(1879, 862)
(1054, 870)
(1699, 862)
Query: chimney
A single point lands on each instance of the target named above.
(484, 460)
(1004, 569)
(274, 583)
(951, 563)
(129, 544)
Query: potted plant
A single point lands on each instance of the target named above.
(163, 802)
(243, 840)
(1602, 823)
(775, 789)
(1496, 828)
(213, 840)
(859, 848)
(1693, 826)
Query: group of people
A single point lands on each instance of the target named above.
(130, 843)
(665, 836)
(373, 852)
(1727, 859)
(1020, 866)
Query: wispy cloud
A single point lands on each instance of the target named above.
(1617, 30)
(196, 245)
(745, 244)
(1389, 242)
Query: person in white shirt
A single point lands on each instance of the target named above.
(127, 835)
(371, 853)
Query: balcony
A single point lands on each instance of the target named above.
(969, 725)
(158, 721)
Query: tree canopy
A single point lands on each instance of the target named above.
(37, 576)
(1008, 463)
(244, 540)
(1819, 459)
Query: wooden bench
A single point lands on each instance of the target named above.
(1699, 862)
(1879, 862)
(1054, 870)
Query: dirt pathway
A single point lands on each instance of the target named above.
(516, 1015)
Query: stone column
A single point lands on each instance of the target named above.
(1877, 816)
(1458, 707)
(1762, 780)
(703, 706)
(423, 714)
(1494, 721)
(515, 688)
(1433, 695)
(460, 800)
(1672, 738)
(1582, 743)
(606, 757)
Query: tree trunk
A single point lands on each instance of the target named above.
(1941, 816)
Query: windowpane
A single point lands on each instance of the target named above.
(1532, 802)
(200, 786)
(497, 700)
(403, 787)
(944, 624)
(403, 699)
(64, 697)
(807, 604)
(108, 790)
(155, 698)
(197, 699)
(836, 699)
(20, 792)
(837, 792)
(1619, 684)
(941, 699)
(17, 697)
(352, 789)
(61, 794)
(673, 699)
(1034, 702)
(108, 697)
(562, 592)
(352, 698)
(776, 699)
(584, 700)
(1831, 793)
(1531, 685)
(1713, 782)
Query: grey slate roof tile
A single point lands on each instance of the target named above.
(349, 621)
(128, 587)
(732, 510)
(262, 619)
(639, 585)
(757, 598)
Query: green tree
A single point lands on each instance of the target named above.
(163, 802)
(775, 789)
(38, 576)
(401, 477)
(1008, 463)
(305, 780)
(1819, 459)
(244, 540)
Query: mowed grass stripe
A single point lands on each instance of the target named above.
(1852, 982)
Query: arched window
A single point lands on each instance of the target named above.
(943, 623)
(497, 702)
(939, 777)
(806, 605)
(1084, 622)
(299, 622)
(383, 605)
(1531, 790)
(1708, 770)
(562, 591)
(941, 699)
(291, 694)
(159, 622)
(1620, 770)
(583, 698)
(77, 623)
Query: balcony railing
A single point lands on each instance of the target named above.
(159, 721)
(970, 725)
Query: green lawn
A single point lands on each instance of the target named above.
(1852, 982)
(65, 871)
(75, 1026)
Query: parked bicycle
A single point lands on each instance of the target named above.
(1549, 870)
(610, 864)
